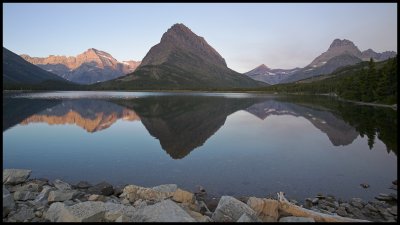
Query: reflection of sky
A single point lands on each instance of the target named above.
(246, 156)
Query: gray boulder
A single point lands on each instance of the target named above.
(102, 188)
(23, 214)
(43, 195)
(81, 212)
(24, 195)
(85, 212)
(164, 211)
(230, 209)
(296, 219)
(31, 186)
(248, 218)
(54, 212)
(15, 176)
(8, 202)
(60, 196)
(114, 211)
(83, 185)
(61, 185)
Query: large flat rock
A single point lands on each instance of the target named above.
(82, 212)
(15, 176)
(164, 211)
(230, 209)
(134, 193)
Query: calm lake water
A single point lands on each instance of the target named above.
(229, 143)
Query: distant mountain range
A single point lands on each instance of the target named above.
(19, 73)
(182, 60)
(340, 53)
(87, 68)
(270, 76)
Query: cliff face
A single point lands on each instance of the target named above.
(89, 67)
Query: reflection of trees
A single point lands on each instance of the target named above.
(17, 109)
(372, 122)
(367, 120)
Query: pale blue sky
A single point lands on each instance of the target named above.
(279, 35)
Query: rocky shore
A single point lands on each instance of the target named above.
(41, 200)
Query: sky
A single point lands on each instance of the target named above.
(247, 35)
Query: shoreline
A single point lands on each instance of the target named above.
(393, 106)
(41, 200)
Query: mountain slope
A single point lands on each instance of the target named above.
(339, 54)
(182, 60)
(270, 76)
(369, 53)
(19, 73)
(330, 66)
(89, 67)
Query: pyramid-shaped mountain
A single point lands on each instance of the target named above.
(182, 60)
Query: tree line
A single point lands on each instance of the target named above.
(375, 82)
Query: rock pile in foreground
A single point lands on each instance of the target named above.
(39, 200)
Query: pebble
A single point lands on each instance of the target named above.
(38, 214)
(364, 185)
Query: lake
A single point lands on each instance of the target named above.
(230, 143)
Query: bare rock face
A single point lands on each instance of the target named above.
(180, 36)
(88, 67)
(369, 53)
(338, 47)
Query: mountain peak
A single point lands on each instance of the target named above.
(370, 51)
(338, 43)
(178, 32)
(180, 38)
(179, 26)
(263, 66)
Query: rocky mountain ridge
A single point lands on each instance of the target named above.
(88, 67)
(340, 53)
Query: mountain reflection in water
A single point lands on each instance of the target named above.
(183, 123)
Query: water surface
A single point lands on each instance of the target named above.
(229, 143)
